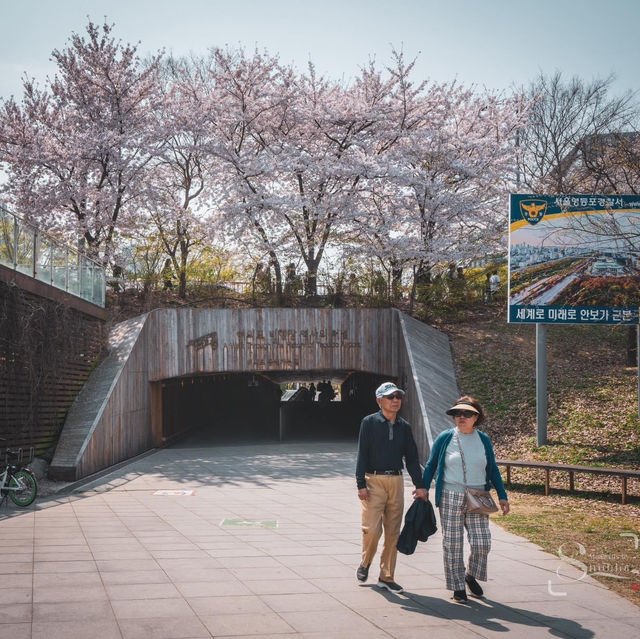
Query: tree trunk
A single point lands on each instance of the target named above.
(311, 283)
(396, 280)
(182, 286)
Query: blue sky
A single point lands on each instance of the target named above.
(492, 43)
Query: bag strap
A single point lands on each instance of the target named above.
(464, 466)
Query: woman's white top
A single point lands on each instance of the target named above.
(475, 459)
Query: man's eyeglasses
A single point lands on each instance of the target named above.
(464, 413)
(393, 396)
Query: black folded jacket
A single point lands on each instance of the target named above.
(419, 525)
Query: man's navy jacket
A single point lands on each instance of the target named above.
(419, 525)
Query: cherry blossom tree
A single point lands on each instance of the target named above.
(181, 174)
(252, 92)
(76, 151)
(444, 200)
(299, 148)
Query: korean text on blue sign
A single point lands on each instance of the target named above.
(574, 259)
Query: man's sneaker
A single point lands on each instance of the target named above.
(391, 586)
(362, 573)
(460, 596)
(474, 586)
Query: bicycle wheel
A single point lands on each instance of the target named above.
(27, 488)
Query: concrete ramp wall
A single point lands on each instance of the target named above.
(109, 419)
(118, 414)
(427, 362)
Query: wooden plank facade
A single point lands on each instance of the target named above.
(118, 413)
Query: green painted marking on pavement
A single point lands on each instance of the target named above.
(246, 523)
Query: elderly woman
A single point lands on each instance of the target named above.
(464, 444)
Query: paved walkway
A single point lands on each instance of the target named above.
(266, 546)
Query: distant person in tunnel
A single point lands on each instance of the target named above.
(385, 441)
(326, 392)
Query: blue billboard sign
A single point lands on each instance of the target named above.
(574, 259)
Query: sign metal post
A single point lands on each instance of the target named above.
(541, 384)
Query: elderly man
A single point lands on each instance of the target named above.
(385, 441)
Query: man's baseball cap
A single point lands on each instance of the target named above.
(386, 389)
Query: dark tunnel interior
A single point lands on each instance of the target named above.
(248, 407)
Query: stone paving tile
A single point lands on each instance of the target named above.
(403, 616)
(329, 572)
(71, 611)
(44, 594)
(126, 565)
(562, 609)
(413, 583)
(64, 566)
(41, 547)
(470, 631)
(15, 613)
(18, 557)
(10, 546)
(178, 554)
(178, 574)
(61, 540)
(296, 561)
(15, 630)
(276, 573)
(246, 624)
(365, 633)
(369, 597)
(96, 629)
(15, 567)
(118, 592)
(213, 589)
(19, 580)
(344, 620)
(193, 563)
(135, 577)
(520, 631)
(337, 584)
(43, 579)
(250, 562)
(85, 555)
(224, 604)
(280, 586)
(302, 601)
(190, 628)
(15, 595)
(151, 608)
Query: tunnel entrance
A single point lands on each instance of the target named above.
(174, 370)
(238, 407)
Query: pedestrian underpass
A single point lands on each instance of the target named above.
(218, 372)
(237, 407)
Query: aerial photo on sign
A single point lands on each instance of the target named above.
(574, 259)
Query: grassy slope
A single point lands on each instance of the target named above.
(593, 420)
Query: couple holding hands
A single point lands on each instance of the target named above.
(460, 457)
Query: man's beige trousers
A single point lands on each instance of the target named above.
(383, 511)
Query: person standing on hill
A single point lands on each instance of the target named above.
(494, 283)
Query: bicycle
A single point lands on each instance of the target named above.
(17, 481)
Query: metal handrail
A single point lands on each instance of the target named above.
(38, 254)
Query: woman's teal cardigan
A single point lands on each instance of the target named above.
(436, 463)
